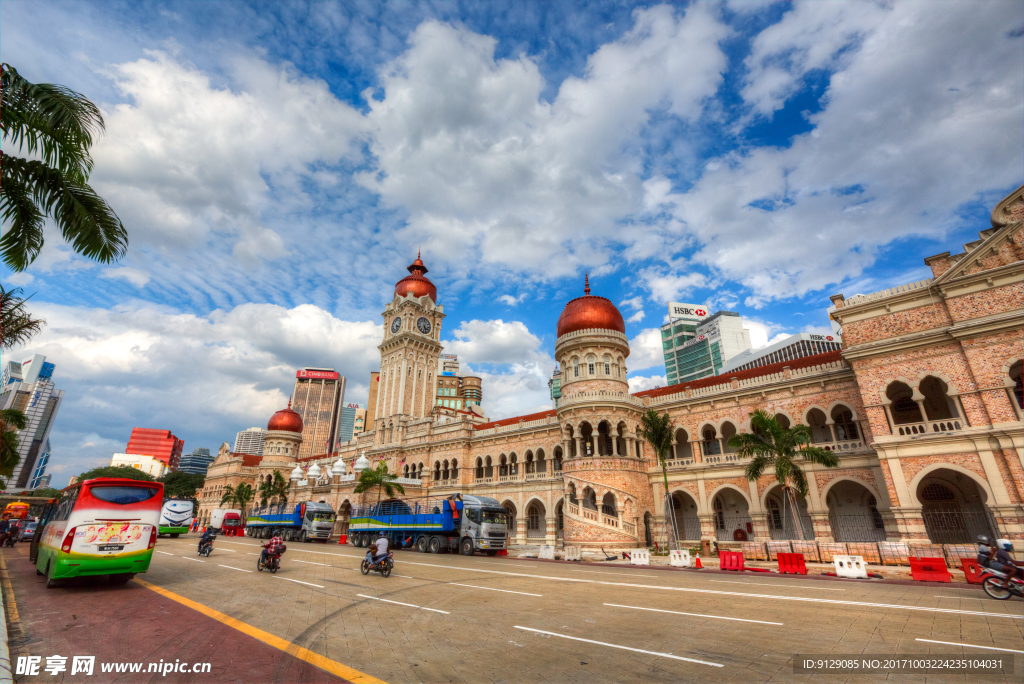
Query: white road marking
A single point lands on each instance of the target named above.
(953, 643)
(781, 586)
(507, 591)
(299, 581)
(312, 563)
(966, 598)
(507, 563)
(601, 572)
(234, 568)
(676, 612)
(164, 552)
(404, 604)
(192, 559)
(625, 648)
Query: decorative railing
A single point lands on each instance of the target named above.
(678, 462)
(508, 478)
(610, 521)
(573, 509)
(484, 479)
(864, 298)
(442, 483)
(599, 395)
(844, 445)
(945, 425)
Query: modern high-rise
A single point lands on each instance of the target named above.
(160, 444)
(353, 421)
(793, 347)
(39, 474)
(318, 397)
(555, 386)
(250, 441)
(197, 462)
(457, 391)
(716, 340)
(371, 402)
(148, 464)
(28, 387)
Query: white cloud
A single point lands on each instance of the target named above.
(666, 286)
(636, 318)
(635, 303)
(135, 276)
(639, 384)
(645, 350)
(510, 300)
(466, 144)
(20, 279)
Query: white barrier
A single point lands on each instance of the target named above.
(680, 558)
(573, 553)
(547, 552)
(640, 557)
(850, 566)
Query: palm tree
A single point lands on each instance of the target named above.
(16, 325)
(278, 487)
(11, 420)
(657, 431)
(56, 125)
(380, 478)
(770, 445)
(240, 496)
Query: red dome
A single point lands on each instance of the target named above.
(286, 420)
(416, 283)
(588, 312)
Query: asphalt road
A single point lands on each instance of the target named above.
(447, 618)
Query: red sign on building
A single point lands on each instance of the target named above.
(317, 375)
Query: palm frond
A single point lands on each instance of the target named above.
(21, 243)
(12, 419)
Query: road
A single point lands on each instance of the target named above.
(447, 618)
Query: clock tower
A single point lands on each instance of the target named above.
(412, 343)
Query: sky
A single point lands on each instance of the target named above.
(278, 165)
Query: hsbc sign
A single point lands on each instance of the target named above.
(680, 310)
(317, 375)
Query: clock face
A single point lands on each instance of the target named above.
(423, 325)
(396, 325)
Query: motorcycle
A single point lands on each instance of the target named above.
(383, 566)
(998, 587)
(273, 562)
(205, 547)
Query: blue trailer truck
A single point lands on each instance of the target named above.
(306, 521)
(457, 523)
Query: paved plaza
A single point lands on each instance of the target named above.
(447, 618)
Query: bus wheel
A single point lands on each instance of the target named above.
(434, 545)
(421, 543)
(175, 535)
(467, 547)
(122, 578)
(50, 582)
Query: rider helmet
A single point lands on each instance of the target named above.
(982, 539)
(1004, 544)
(382, 535)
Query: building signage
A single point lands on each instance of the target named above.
(680, 310)
(822, 338)
(317, 375)
(355, 406)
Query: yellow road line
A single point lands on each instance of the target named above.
(334, 667)
(12, 606)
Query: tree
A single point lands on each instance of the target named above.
(181, 485)
(278, 486)
(57, 126)
(11, 420)
(380, 478)
(16, 324)
(48, 492)
(240, 496)
(657, 431)
(125, 471)
(770, 445)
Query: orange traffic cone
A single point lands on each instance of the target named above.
(698, 565)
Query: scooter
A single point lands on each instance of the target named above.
(998, 587)
(273, 562)
(383, 566)
(205, 547)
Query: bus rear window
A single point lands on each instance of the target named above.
(123, 495)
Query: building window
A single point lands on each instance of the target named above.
(576, 371)
(590, 368)
(607, 368)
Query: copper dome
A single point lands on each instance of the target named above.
(589, 311)
(286, 420)
(416, 283)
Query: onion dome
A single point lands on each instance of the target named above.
(338, 468)
(314, 472)
(285, 420)
(296, 474)
(588, 312)
(362, 464)
(416, 283)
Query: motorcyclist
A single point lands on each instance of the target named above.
(271, 548)
(378, 549)
(985, 550)
(208, 536)
(1003, 562)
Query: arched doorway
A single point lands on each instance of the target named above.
(344, 513)
(953, 508)
(853, 513)
(732, 516)
(687, 522)
(559, 520)
(782, 523)
(536, 524)
(648, 532)
(510, 512)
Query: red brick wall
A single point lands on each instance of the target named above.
(895, 324)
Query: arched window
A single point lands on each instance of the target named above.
(405, 471)
(419, 471)
(783, 420)
(591, 360)
(589, 499)
(533, 518)
(444, 470)
(903, 408)
(529, 462)
(728, 430)
(540, 465)
(558, 459)
(575, 367)
(572, 494)
(820, 432)
(455, 469)
(710, 444)
(437, 471)
(1017, 378)
(607, 365)
(479, 467)
(502, 465)
(845, 428)
(488, 467)
(608, 505)
(937, 402)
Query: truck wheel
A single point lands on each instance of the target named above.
(434, 545)
(492, 553)
(467, 547)
(421, 543)
(304, 537)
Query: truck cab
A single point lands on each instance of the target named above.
(485, 523)
(318, 520)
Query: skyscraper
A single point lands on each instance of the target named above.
(160, 444)
(714, 341)
(28, 387)
(318, 397)
(197, 462)
(250, 441)
(793, 347)
(353, 421)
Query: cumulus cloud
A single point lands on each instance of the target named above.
(634, 303)
(483, 165)
(135, 276)
(510, 300)
(645, 350)
(636, 318)
(666, 286)
(639, 384)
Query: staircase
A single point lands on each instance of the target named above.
(599, 519)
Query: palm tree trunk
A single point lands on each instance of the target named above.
(796, 513)
(669, 518)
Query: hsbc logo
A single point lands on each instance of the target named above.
(822, 338)
(677, 309)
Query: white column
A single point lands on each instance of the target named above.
(401, 387)
(395, 368)
(412, 395)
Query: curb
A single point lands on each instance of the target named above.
(6, 672)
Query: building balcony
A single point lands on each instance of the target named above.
(926, 427)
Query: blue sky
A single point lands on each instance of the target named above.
(278, 165)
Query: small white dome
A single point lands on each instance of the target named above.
(296, 474)
(362, 464)
(338, 468)
(314, 472)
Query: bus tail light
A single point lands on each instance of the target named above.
(152, 537)
(68, 538)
